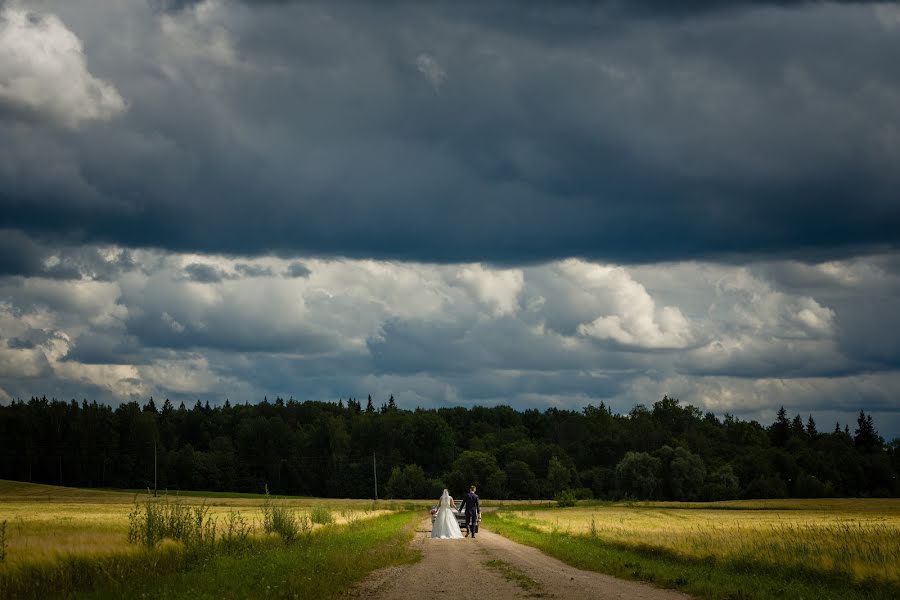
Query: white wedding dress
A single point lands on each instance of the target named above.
(445, 526)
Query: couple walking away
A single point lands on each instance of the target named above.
(445, 526)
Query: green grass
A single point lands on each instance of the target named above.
(709, 577)
(321, 564)
(857, 539)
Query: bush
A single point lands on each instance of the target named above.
(283, 520)
(566, 498)
(321, 515)
(236, 534)
(583, 493)
(155, 519)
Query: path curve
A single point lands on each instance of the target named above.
(492, 566)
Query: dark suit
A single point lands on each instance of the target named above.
(472, 506)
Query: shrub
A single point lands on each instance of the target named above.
(566, 498)
(236, 533)
(155, 519)
(583, 493)
(321, 515)
(283, 520)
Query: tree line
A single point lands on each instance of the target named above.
(668, 451)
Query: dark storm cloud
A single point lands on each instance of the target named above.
(413, 131)
(297, 269)
(648, 7)
(20, 344)
(204, 273)
(19, 255)
(221, 330)
(22, 255)
(174, 173)
(107, 348)
(247, 270)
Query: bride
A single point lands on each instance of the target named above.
(445, 525)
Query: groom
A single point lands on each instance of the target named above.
(473, 511)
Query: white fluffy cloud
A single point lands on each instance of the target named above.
(44, 73)
(497, 289)
(629, 315)
(563, 334)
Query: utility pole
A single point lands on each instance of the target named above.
(375, 470)
(154, 467)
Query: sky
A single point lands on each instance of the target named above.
(533, 203)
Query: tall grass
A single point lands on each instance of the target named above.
(320, 565)
(3, 542)
(321, 515)
(236, 532)
(835, 541)
(833, 550)
(710, 578)
(281, 519)
(155, 519)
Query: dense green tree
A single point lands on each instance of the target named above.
(766, 487)
(809, 486)
(408, 482)
(866, 436)
(797, 427)
(521, 481)
(682, 473)
(332, 449)
(558, 476)
(637, 475)
(480, 469)
(811, 430)
(721, 484)
(781, 428)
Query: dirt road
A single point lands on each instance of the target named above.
(494, 567)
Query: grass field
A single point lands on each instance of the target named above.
(61, 540)
(752, 549)
(46, 522)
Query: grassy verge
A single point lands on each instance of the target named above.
(319, 565)
(707, 578)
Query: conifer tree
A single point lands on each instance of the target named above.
(797, 428)
(781, 428)
(866, 437)
(811, 427)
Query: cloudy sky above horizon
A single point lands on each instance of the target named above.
(531, 203)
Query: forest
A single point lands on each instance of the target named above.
(669, 451)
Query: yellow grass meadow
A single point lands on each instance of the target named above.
(859, 538)
(45, 522)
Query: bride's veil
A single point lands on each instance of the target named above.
(445, 499)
